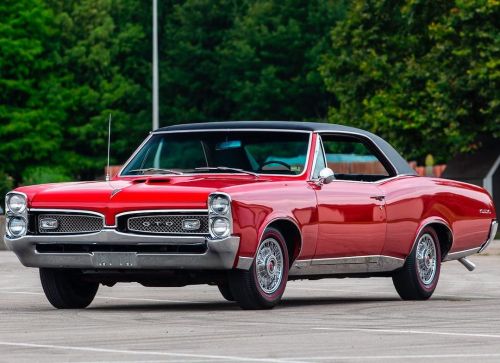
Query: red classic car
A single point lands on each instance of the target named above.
(247, 206)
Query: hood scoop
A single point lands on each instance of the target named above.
(158, 180)
(155, 180)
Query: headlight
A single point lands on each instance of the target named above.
(221, 227)
(17, 226)
(219, 204)
(16, 203)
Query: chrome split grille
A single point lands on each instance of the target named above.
(71, 223)
(168, 224)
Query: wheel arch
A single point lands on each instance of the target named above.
(290, 231)
(443, 231)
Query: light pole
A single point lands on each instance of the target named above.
(156, 121)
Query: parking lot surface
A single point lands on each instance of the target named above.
(334, 320)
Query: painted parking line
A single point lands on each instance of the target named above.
(405, 331)
(402, 358)
(116, 298)
(147, 353)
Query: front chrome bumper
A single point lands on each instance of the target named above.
(220, 254)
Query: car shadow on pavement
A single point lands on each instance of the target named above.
(228, 306)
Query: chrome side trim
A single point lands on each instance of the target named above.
(491, 236)
(308, 155)
(244, 263)
(346, 265)
(460, 254)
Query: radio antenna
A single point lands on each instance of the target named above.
(109, 147)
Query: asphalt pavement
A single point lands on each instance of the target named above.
(334, 320)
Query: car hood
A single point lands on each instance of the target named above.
(118, 196)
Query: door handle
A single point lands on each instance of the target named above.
(380, 198)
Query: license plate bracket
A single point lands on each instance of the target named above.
(114, 259)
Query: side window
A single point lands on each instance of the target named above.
(351, 158)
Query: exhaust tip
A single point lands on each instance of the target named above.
(467, 264)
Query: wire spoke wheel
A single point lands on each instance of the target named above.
(263, 284)
(419, 276)
(269, 265)
(426, 259)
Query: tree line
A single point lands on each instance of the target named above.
(423, 74)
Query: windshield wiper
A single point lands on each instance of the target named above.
(158, 170)
(226, 168)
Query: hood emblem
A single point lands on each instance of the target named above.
(115, 191)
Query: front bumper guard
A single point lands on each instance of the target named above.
(219, 255)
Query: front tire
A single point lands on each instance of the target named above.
(263, 285)
(65, 289)
(225, 291)
(419, 276)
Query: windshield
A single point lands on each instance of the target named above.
(262, 152)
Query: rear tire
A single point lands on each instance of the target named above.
(65, 289)
(226, 291)
(419, 276)
(263, 285)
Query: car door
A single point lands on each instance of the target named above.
(351, 209)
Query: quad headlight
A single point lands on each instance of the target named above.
(219, 204)
(15, 203)
(220, 227)
(219, 210)
(17, 226)
(16, 206)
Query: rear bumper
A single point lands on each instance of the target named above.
(491, 236)
(461, 254)
(219, 254)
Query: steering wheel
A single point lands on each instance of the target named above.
(288, 166)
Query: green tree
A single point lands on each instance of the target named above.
(270, 60)
(423, 74)
(30, 119)
(245, 60)
(190, 77)
(106, 60)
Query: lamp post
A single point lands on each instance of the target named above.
(156, 121)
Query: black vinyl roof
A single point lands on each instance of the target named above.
(400, 164)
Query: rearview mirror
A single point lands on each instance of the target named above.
(226, 145)
(326, 176)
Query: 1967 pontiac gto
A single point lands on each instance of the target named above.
(247, 206)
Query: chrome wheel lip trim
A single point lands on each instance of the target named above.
(269, 250)
(426, 256)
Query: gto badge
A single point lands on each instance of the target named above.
(485, 211)
(157, 224)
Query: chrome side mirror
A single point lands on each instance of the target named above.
(326, 176)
